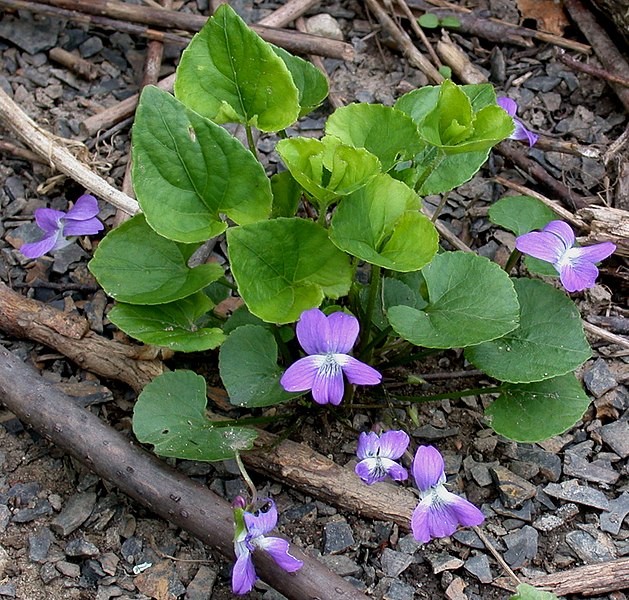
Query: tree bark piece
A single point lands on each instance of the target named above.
(608, 225)
(152, 483)
(69, 334)
(43, 143)
(458, 61)
(287, 13)
(609, 55)
(294, 41)
(83, 68)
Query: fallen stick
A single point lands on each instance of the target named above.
(287, 13)
(609, 55)
(458, 61)
(291, 40)
(43, 143)
(592, 70)
(83, 68)
(607, 225)
(149, 481)
(70, 335)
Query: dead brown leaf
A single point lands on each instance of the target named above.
(548, 14)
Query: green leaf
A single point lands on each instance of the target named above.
(286, 194)
(531, 412)
(446, 72)
(174, 325)
(386, 132)
(429, 21)
(381, 224)
(311, 83)
(187, 171)
(549, 341)
(520, 214)
(170, 414)
(393, 293)
(229, 74)
(480, 95)
(285, 266)
(135, 265)
(327, 168)
(470, 300)
(450, 22)
(249, 369)
(418, 103)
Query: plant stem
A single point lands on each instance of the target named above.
(403, 360)
(322, 214)
(376, 340)
(469, 392)
(245, 476)
(439, 208)
(429, 169)
(512, 260)
(374, 284)
(250, 141)
(224, 281)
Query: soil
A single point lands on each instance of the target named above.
(134, 553)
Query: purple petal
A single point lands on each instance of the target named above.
(465, 512)
(578, 275)
(86, 207)
(300, 376)
(343, 331)
(428, 467)
(563, 231)
(393, 444)
(368, 444)
(358, 372)
(420, 524)
(328, 386)
(508, 105)
(261, 521)
(368, 471)
(278, 549)
(542, 245)
(87, 227)
(522, 133)
(243, 574)
(49, 220)
(594, 253)
(312, 331)
(394, 470)
(37, 249)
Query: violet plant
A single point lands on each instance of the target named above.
(338, 242)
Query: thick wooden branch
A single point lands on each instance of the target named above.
(146, 479)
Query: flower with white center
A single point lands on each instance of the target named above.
(439, 512)
(378, 454)
(520, 132)
(327, 340)
(555, 244)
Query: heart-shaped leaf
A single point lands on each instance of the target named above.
(520, 214)
(170, 414)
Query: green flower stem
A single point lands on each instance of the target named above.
(429, 169)
(321, 218)
(512, 260)
(439, 208)
(403, 360)
(449, 395)
(376, 340)
(245, 476)
(374, 285)
(224, 281)
(251, 143)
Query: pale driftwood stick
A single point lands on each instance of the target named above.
(419, 32)
(120, 111)
(603, 334)
(592, 70)
(42, 142)
(287, 13)
(414, 56)
(458, 61)
(611, 58)
(559, 210)
(446, 234)
(69, 334)
(551, 144)
(149, 481)
(607, 225)
(83, 68)
(21, 153)
(294, 41)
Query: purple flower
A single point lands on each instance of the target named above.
(327, 340)
(59, 226)
(378, 455)
(439, 511)
(555, 244)
(251, 530)
(520, 132)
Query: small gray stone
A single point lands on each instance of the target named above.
(549, 464)
(5, 517)
(23, 493)
(467, 537)
(455, 591)
(76, 511)
(26, 515)
(105, 592)
(68, 569)
(160, 581)
(200, 588)
(431, 433)
(444, 562)
(547, 523)
(324, 25)
(394, 563)
(611, 520)
(399, 591)
(5, 561)
(616, 436)
(514, 490)
(302, 513)
(66, 256)
(39, 545)
(91, 46)
(479, 567)
(32, 37)
(48, 573)
(408, 544)
(7, 590)
(337, 537)
(81, 548)
(109, 562)
(598, 471)
(573, 491)
(521, 546)
(342, 565)
(599, 379)
(525, 513)
(131, 548)
(588, 548)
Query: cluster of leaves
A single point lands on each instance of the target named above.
(194, 181)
